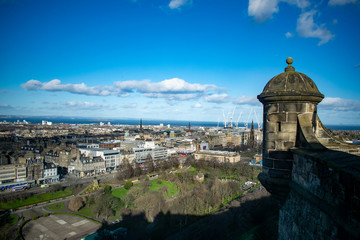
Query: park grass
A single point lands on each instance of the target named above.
(173, 191)
(86, 211)
(192, 169)
(8, 220)
(55, 207)
(155, 185)
(119, 192)
(14, 219)
(35, 199)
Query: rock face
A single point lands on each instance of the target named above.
(318, 188)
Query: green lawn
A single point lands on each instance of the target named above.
(192, 169)
(119, 192)
(55, 207)
(173, 191)
(86, 211)
(35, 199)
(8, 220)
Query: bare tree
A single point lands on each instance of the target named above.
(151, 203)
(126, 171)
(174, 162)
(76, 203)
(137, 169)
(149, 164)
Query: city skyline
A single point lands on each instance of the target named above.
(176, 60)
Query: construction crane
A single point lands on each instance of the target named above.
(237, 122)
(225, 123)
(246, 123)
(232, 116)
(257, 120)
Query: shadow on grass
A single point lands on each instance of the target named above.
(252, 220)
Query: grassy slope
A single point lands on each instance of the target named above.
(55, 207)
(35, 199)
(173, 191)
(119, 192)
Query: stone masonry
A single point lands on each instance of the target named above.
(315, 178)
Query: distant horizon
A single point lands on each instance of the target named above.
(136, 121)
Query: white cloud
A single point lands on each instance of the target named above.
(84, 105)
(173, 85)
(179, 97)
(177, 3)
(299, 3)
(56, 86)
(197, 105)
(289, 35)
(4, 105)
(263, 10)
(218, 98)
(130, 105)
(247, 100)
(340, 2)
(339, 104)
(306, 27)
(170, 89)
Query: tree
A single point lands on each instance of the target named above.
(174, 162)
(107, 205)
(190, 160)
(128, 185)
(126, 171)
(107, 189)
(149, 164)
(76, 203)
(130, 197)
(151, 203)
(137, 169)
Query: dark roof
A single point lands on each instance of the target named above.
(291, 83)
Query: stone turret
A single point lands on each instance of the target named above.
(284, 97)
(315, 177)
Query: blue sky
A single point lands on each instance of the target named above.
(174, 59)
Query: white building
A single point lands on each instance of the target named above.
(218, 156)
(43, 122)
(147, 148)
(50, 172)
(112, 158)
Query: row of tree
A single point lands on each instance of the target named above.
(128, 170)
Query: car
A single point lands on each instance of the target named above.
(116, 221)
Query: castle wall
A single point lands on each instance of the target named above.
(280, 128)
(324, 200)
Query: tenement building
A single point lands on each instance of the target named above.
(218, 156)
(315, 178)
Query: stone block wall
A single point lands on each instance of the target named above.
(280, 130)
(324, 200)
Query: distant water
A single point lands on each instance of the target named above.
(132, 122)
(343, 127)
(112, 121)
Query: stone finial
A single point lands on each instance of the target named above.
(289, 68)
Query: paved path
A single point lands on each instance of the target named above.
(58, 227)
